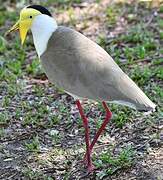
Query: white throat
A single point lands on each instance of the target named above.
(42, 28)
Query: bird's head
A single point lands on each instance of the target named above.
(27, 16)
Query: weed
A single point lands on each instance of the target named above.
(34, 145)
(111, 163)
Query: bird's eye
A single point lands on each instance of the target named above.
(30, 17)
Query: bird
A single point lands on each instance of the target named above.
(81, 67)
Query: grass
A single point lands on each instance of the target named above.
(34, 145)
(111, 164)
(4, 118)
(32, 174)
(45, 110)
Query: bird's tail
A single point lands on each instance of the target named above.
(140, 105)
(134, 97)
(145, 104)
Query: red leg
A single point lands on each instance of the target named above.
(106, 121)
(87, 138)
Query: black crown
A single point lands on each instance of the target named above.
(42, 9)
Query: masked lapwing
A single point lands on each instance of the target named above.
(80, 67)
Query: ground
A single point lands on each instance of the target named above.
(41, 133)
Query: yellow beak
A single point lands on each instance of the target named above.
(23, 27)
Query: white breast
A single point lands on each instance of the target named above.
(42, 28)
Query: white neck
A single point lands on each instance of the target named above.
(42, 28)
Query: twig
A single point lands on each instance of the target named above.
(154, 14)
(20, 137)
(53, 169)
(143, 60)
(102, 145)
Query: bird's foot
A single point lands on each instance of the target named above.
(90, 168)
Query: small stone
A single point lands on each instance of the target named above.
(54, 132)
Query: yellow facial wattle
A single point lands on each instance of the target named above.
(27, 16)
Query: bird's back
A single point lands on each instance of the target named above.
(84, 69)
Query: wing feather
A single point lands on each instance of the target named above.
(84, 69)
